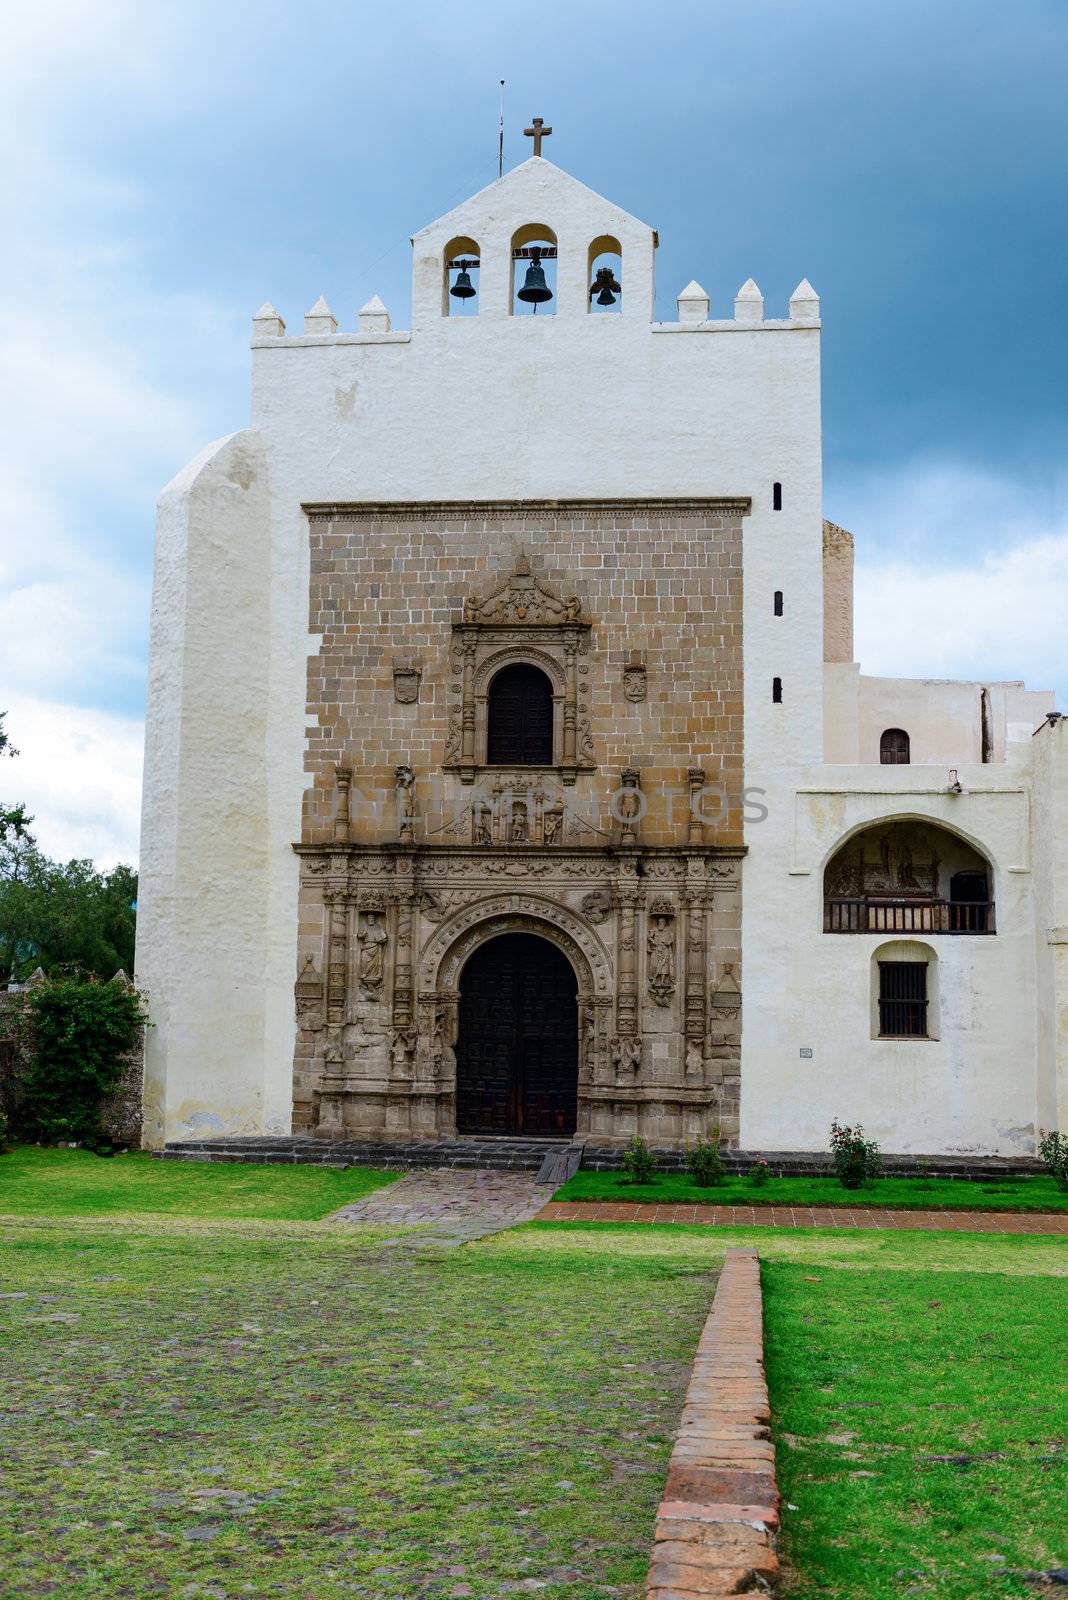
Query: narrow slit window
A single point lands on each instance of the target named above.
(778, 602)
(776, 691)
(776, 497)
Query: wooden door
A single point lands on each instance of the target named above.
(517, 1050)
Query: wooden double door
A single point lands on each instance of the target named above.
(517, 1045)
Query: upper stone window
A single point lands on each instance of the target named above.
(533, 270)
(519, 730)
(894, 748)
(462, 269)
(605, 268)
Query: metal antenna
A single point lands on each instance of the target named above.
(500, 137)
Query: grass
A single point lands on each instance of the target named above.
(920, 1413)
(216, 1406)
(1036, 1193)
(75, 1183)
(196, 1408)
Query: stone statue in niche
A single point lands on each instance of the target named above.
(660, 945)
(372, 941)
(552, 824)
(626, 1054)
(404, 778)
(518, 832)
(481, 823)
(695, 1061)
(629, 804)
(596, 906)
(402, 1053)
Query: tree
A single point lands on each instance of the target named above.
(60, 917)
(14, 823)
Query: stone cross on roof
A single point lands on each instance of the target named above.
(537, 132)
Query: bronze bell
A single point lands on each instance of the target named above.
(605, 287)
(463, 288)
(535, 290)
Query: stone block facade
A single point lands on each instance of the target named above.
(623, 850)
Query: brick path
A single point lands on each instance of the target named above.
(808, 1217)
(448, 1206)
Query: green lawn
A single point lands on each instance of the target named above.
(200, 1406)
(75, 1183)
(889, 1351)
(903, 1194)
(199, 1409)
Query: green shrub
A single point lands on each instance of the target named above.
(77, 1031)
(1053, 1148)
(639, 1163)
(706, 1163)
(857, 1160)
(758, 1174)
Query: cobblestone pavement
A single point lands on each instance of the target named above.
(450, 1206)
(808, 1217)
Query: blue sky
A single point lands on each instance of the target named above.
(169, 168)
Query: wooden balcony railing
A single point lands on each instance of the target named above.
(908, 916)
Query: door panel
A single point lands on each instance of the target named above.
(517, 1050)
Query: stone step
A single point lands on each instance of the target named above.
(555, 1156)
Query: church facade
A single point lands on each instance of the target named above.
(507, 767)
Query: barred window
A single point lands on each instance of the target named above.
(903, 1000)
(894, 748)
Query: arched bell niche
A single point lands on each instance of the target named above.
(604, 275)
(462, 272)
(533, 271)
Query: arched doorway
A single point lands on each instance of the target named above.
(517, 1042)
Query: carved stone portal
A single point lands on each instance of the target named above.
(657, 1035)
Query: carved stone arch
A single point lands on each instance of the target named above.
(510, 655)
(455, 939)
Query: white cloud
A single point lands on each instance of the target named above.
(960, 574)
(79, 773)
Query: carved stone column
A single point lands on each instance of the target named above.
(628, 895)
(341, 816)
(404, 906)
(468, 649)
(696, 992)
(694, 827)
(570, 752)
(332, 1085)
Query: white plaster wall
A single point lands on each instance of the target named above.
(942, 718)
(973, 1088)
(205, 883)
(491, 407)
(1050, 746)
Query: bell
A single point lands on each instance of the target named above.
(535, 290)
(607, 286)
(463, 288)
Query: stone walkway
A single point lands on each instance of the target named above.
(809, 1217)
(449, 1206)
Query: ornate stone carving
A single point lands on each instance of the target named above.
(660, 951)
(402, 1054)
(522, 600)
(521, 621)
(634, 680)
(596, 906)
(308, 991)
(431, 905)
(626, 1055)
(343, 777)
(407, 672)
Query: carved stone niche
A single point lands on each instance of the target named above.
(308, 992)
(523, 621)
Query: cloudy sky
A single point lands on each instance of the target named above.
(168, 167)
